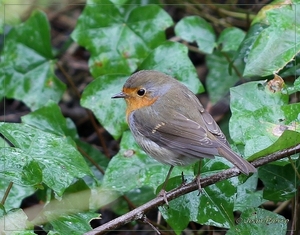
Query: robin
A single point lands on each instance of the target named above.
(170, 124)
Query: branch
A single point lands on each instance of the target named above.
(139, 212)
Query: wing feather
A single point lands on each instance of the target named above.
(181, 135)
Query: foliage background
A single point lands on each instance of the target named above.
(59, 127)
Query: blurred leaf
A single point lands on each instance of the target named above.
(259, 221)
(277, 44)
(230, 39)
(14, 222)
(72, 224)
(197, 29)
(280, 182)
(12, 14)
(26, 71)
(97, 97)
(56, 156)
(136, 169)
(22, 233)
(221, 76)
(119, 38)
(292, 68)
(295, 88)
(172, 58)
(66, 215)
(260, 116)
(137, 197)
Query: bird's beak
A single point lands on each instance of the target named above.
(119, 95)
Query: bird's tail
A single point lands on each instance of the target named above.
(237, 160)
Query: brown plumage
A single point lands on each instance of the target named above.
(171, 125)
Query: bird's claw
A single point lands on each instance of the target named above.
(163, 194)
(198, 181)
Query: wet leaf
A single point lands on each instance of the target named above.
(214, 206)
(230, 39)
(110, 112)
(197, 29)
(277, 44)
(55, 156)
(221, 76)
(260, 116)
(74, 223)
(280, 182)
(259, 221)
(27, 66)
(119, 38)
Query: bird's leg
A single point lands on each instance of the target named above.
(197, 179)
(182, 178)
(163, 192)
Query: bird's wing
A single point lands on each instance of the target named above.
(213, 127)
(177, 133)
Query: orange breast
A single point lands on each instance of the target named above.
(135, 102)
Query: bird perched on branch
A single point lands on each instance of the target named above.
(170, 124)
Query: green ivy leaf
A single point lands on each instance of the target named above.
(119, 38)
(50, 119)
(277, 44)
(172, 58)
(197, 29)
(19, 167)
(17, 192)
(260, 116)
(230, 39)
(217, 199)
(220, 77)
(280, 182)
(286, 140)
(97, 97)
(247, 195)
(57, 157)
(26, 71)
(259, 221)
(72, 224)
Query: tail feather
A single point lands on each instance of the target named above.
(237, 160)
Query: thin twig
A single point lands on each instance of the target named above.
(6, 192)
(138, 213)
(237, 72)
(91, 160)
(90, 115)
(147, 221)
(282, 206)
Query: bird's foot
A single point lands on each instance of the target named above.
(163, 193)
(198, 181)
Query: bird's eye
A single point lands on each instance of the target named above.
(141, 92)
